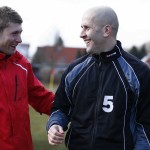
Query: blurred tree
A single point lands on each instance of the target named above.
(139, 53)
(134, 51)
(143, 51)
(59, 43)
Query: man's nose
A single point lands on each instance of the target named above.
(82, 34)
(18, 39)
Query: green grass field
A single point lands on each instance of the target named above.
(39, 134)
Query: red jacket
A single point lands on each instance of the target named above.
(18, 88)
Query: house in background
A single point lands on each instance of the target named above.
(55, 56)
(53, 60)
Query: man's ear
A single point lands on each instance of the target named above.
(107, 30)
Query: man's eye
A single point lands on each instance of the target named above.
(86, 28)
(14, 33)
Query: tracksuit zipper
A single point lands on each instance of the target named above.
(16, 87)
(96, 110)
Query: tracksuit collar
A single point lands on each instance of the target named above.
(110, 55)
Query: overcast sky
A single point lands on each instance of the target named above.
(44, 19)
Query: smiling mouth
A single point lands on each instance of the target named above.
(13, 46)
(87, 42)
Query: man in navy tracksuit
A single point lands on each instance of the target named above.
(104, 95)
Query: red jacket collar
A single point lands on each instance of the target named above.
(13, 57)
(2, 56)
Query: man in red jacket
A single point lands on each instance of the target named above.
(18, 86)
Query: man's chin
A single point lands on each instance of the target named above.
(11, 52)
(89, 50)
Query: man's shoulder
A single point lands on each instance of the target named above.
(21, 57)
(137, 64)
(79, 64)
(80, 59)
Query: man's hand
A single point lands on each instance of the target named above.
(55, 135)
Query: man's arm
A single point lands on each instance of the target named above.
(142, 117)
(56, 126)
(39, 97)
(58, 118)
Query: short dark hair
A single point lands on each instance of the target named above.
(8, 15)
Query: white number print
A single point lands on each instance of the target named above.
(108, 104)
